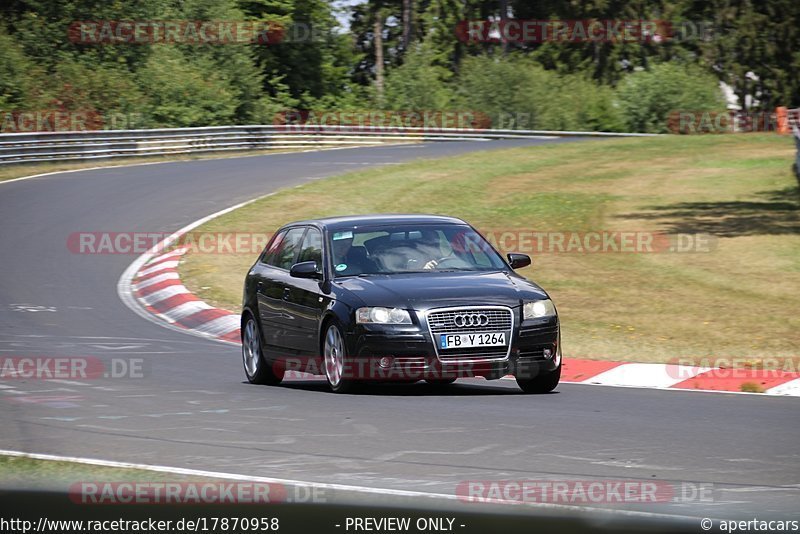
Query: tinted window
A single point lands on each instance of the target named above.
(311, 250)
(282, 254)
(268, 256)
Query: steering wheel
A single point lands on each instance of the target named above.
(443, 262)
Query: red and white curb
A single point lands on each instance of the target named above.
(158, 288)
(679, 377)
(151, 287)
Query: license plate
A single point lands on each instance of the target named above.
(478, 339)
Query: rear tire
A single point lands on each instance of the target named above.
(542, 383)
(256, 367)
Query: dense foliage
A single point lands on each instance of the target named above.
(402, 55)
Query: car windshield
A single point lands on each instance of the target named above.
(425, 248)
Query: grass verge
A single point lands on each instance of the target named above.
(20, 472)
(735, 299)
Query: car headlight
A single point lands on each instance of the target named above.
(378, 315)
(538, 309)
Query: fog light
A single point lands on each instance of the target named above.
(386, 361)
(547, 353)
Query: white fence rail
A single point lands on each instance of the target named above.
(103, 144)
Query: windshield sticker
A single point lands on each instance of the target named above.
(341, 267)
(342, 235)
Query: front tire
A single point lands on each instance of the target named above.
(256, 368)
(335, 359)
(542, 383)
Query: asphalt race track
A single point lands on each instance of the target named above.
(193, 409)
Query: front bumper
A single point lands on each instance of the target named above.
(413, 356)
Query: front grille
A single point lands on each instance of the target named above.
(476, 353)
(498, 319)
(443, 322)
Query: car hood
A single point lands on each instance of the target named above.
(421, 291)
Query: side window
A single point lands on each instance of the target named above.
(268, 256)
(284, 253)
(311, 250)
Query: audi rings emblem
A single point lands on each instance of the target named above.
(471, 319)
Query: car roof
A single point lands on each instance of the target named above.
(384, 219)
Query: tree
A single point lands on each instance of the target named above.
(755, 48)
(408, 22)
(377, 44)
(647, 98)
(516, 92)
(18, 89)
(419, 84)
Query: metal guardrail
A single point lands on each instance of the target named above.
(103, 144)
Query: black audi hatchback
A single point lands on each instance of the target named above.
(395, 298)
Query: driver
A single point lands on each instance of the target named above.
(430, 245)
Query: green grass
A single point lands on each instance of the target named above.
(751, 387)
(739, 300)
(20, 472)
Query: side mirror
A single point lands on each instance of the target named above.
(305, 269)
(518, 261)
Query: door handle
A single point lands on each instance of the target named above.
(286, 292)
